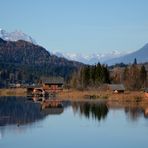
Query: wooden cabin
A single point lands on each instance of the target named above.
(52, 84)
(117, 88)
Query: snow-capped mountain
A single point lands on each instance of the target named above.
(90, 58)
(141, 55)
(15, 36)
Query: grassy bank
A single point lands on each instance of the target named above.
(128, 96)
(96, 94)
(13, 92)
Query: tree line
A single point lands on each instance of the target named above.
(134, 76)
(90, 76)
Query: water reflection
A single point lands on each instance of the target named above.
(63, 125)
(134, 113)
(132, 110)
(100, 110)
(14, 110)
(20, 111)
(91, 110)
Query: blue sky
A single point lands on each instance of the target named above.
(82, 26)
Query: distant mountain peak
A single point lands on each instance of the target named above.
(91, 58)
(140, 55)
(15, 36)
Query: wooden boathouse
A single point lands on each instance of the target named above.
(52, 84)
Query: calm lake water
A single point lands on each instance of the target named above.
(24, 123)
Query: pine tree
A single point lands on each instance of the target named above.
(86, 76)
(106, 75)
(99, 74)
(135, 61)
(93, 74)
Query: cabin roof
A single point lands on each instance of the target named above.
(52, 80)
(114, 87)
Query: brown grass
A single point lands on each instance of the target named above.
(128, 96)
(136, 96)
(13, 92)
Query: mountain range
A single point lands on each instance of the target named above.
(108, 58)
(111, 58)
(92, 58)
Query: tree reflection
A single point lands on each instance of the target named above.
(91, 110)
(14, 110)
(134, 113)
(133, 110)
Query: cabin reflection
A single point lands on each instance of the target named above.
(97, 111)
(19, 111)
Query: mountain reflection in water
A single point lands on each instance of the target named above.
(15, 110)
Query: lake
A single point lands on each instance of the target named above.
(87, 124)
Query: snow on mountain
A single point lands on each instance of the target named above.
(90, 58)
(84, 58)
(140, 55)
(15, 36)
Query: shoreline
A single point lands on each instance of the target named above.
(106, 95)
(73, 94)
(129, 98)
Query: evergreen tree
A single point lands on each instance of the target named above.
(86, 76)
(106, 75)
(93, 74)
(135, 61)
(99, 74)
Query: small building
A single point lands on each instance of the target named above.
(52, 84)
(117, 88)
